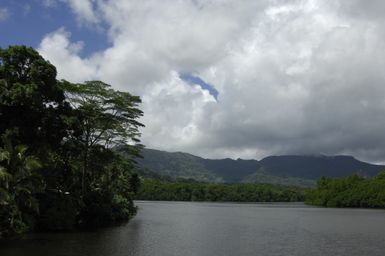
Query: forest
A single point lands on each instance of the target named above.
(60, 165)
(153, 189)
(351, 191)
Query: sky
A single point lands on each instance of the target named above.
(225, 78)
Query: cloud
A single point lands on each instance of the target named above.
(64, 55)
(174, 111)
(4, 14)
(84, 9)
(294, 77)
(49, 3)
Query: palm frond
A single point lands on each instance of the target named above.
(4, 155)
(32, 163)
(4, 175)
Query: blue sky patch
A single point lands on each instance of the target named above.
(27, 23)
(198, 81)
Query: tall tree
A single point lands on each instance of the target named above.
(107, 120)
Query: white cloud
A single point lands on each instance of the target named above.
(4, 14)
(174, 112)
(293, 76)
(84, 10)
(64, 55)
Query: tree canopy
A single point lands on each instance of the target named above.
(60, 165)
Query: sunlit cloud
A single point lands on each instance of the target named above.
(291, 77)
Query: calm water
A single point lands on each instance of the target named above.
(182, 229)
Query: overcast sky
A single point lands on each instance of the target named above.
(240, 78)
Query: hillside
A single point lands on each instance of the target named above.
(284, 170)
(177, 165)
(313, 167)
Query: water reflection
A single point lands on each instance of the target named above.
(172, 228)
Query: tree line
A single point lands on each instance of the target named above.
(59, 162)
(351, 191)
(153, 189)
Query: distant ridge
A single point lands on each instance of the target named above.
(301, 170)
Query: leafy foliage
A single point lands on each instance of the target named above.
(58, 168)
(106, 119)
(18, 183)
(31, 103)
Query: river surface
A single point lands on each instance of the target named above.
(187, 228)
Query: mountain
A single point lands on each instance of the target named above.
(302, 170)
(177, 165)
(313, 167)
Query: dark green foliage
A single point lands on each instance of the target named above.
(31, 103)
(182, 191)
(58, 170)
(58, 211)
(134, 182)
(103, 207)
(351, 191)
(123, 208)
(96, 210)
(18, 183)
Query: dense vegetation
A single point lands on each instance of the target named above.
(58, 169)
(350, 191)
(152, 189)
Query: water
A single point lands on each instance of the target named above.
(184, 228)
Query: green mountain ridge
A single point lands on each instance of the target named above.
(299, 170)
